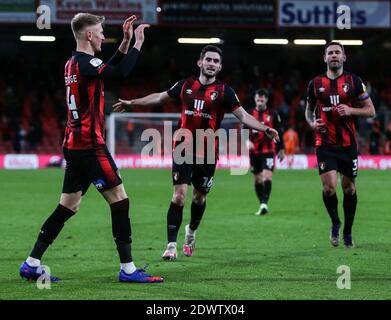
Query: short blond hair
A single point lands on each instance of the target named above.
(82, 20)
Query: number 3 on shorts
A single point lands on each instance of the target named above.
(269, 162)
(355, 167)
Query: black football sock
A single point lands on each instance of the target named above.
(259, 190)
(267, 189)
(174, 221)
(121, 229)
(50, 230)
(331, 204)
(349, 208)
(197, 211)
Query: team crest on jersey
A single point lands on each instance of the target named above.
(96, 62)
(322, 165)
(346, 87)
(189, 91)
(175, 176)
(214, 95)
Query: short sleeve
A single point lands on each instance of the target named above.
(311, 98)
(231, 101)
(175, 90)
(360, 90)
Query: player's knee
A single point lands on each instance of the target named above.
(258, 178)
(199, 198)
(71, 203)
(329, 190)
(349, 190)
(179, 198)
(73, 207)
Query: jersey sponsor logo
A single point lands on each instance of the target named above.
(198, 114)
(198, 104)
(334, 100)
(96, 62)
(346, 87)
(214, 95)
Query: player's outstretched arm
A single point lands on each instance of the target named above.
(253, 123)
(152, 100)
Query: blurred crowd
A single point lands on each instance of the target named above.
(33, 109)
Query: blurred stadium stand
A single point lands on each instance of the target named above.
(32, 99)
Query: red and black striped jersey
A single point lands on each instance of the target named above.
(85, 100)
(84, 86)
(262, 144)
(203, 106)
(326, 94)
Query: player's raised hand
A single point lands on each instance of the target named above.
(344, 110)
(319, 125)
(127, 28)
(139, 32)
(272, 134)
(122, 105)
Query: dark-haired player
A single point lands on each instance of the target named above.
(263, 150)
(334, 99)
(203, 100)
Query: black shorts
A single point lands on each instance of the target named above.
(84, 167)
(341, 159)
(200, 175)
(261, 161)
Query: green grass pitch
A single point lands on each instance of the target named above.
(284, 255)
